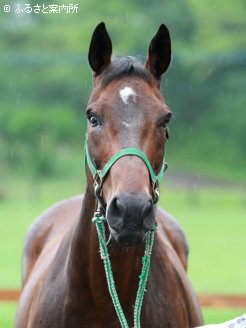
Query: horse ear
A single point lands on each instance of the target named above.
(100, 50)
(159, 54)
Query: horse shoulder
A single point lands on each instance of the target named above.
(173, 289)
(175, 234)
(54, 221)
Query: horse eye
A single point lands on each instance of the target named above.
(164, 120)
(94, 121)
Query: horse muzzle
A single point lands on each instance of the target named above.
(129, 217)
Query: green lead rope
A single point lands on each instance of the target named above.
(143, 277)
(99, 221)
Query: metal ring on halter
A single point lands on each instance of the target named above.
(98, 181)
(156, 193)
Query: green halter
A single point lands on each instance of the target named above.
(98, 175)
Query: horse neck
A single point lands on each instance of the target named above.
(85, 266)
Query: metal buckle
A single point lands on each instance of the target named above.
(165, 166)
(156, 194)
(97, 182)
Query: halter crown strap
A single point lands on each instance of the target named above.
(123, 152)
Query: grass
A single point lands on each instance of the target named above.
(7, 312)
(221, 315)
(214, 221)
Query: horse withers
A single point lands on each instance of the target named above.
(63, 278)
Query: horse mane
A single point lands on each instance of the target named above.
(123, 66)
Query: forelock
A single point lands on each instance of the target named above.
(124, 66)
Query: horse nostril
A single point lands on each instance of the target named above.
(147, 207)
(133, 213)
(114, 207)
(148, 214)
(119, 205)
(115, 213)
(149, 204)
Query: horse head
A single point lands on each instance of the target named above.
(126, 110)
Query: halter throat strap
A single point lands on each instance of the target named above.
(100, 174)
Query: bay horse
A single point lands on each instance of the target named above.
(63, 279)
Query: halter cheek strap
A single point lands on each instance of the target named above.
(98, 175)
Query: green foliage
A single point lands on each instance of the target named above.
(35, 132)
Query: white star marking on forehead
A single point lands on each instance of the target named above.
(125, 93)
(125, 124)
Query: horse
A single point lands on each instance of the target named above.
(63, 278)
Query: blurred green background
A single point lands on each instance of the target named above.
(45, 83)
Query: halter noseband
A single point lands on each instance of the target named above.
(99, 219)
(99, 175)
